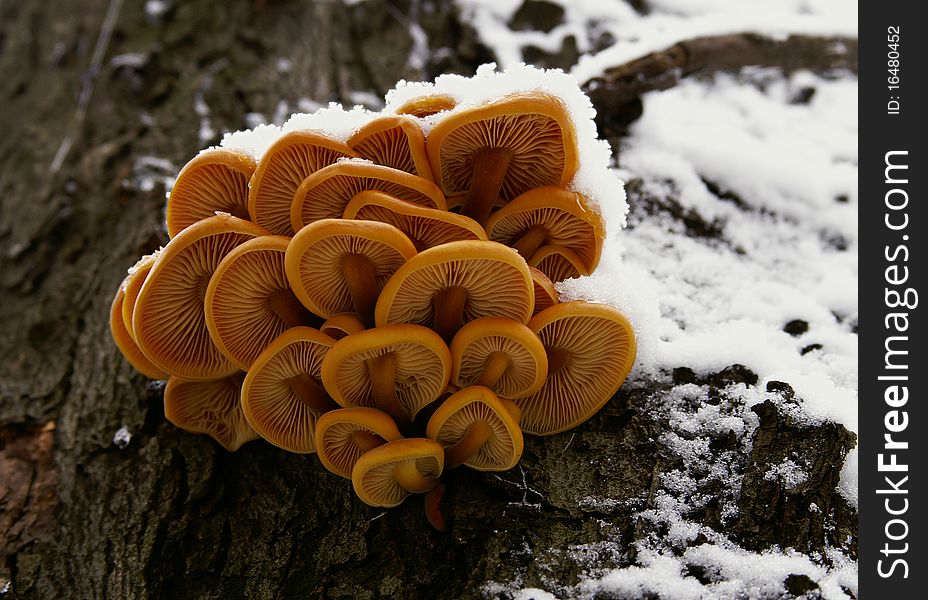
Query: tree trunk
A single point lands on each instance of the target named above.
(103, 103)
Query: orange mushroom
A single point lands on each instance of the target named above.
(290, 160)
(500, 354)
(426, 227)
(215, 180)
(343, 435)
(249, 302)
(558, 263)
(326, 193)
(476, 430)
(426, 106)
(503, 149)
(341, 325)
(394, 141)
(591, 349)
(386, 475)
(549, 216)
(281, 395)
(125, 342)
(336, 266)
(132, 285)
(452, 284)
(169, 317)
(398, 369)
(545, 292)
(210, 407)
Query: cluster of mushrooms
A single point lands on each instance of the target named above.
(385, 302)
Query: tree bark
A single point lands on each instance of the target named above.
(93, 126)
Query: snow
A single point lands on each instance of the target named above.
(122, 437)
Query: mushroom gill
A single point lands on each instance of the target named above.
(394, 141)
(281, 395)
(290, 160)
(249, 302)
(209, 407)
(169, 319)
(449, 285)
(215, 180)
(386, 475)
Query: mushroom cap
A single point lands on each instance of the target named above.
(210, 407)
(215, 180)
(449, 424)
(426, 227)
(315, 256)
(476, 345)
(496, 280)
(561, 218)
(132, 285)
(374, 474)
(326, 193)
(558, 263)
(169, 319)
(422, 367)
(534, 126)
(394, 141)
(336, 444)
(341, 325)
(545, 292)
(591, 349)
(248, 302)
(426, 106)
(290, 160)
(273, 401)
(127, 346)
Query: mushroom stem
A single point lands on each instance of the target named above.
(474, 438)
(310, 393)
(360, 275)
(382, 372)
(448, 306)
(514, 410)
(407, 475)
(496, 366)
(490, 166)
(285, 305)
(531, 240)
(365, 440)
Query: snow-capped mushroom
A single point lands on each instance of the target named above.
(123, 338)
(503, 149)
(249, 302)
(386, 475)
(289, 161)
(169, 319)
(545, 292)
(281, 395)
(398, 369)
(452, 284)
(476, 430)
(341, 325)
(343, 435)
(215, 180)
(558, 263)
(326, 193)
(549, 216)
(211, 407)
(426, 227)
(337, 266)
(591, 349)
(426, 106)
(500, 354)
(394, 141)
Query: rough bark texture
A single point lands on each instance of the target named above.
(171, 514)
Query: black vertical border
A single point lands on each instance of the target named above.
(880, 133)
